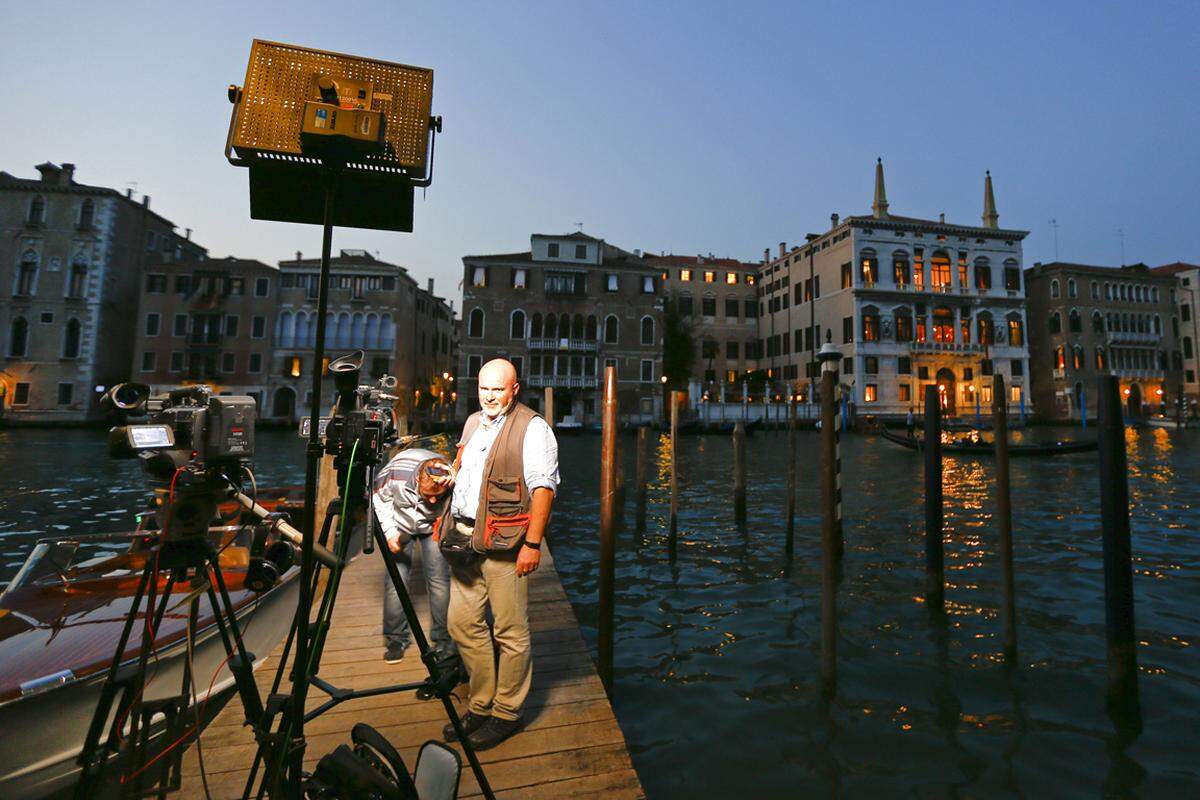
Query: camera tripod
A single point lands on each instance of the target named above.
(125, 682)
(279, 744)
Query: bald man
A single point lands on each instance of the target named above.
(507, 476)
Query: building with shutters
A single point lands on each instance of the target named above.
(908, 302)
(561, 312)
(1187, 277)
(71, 263)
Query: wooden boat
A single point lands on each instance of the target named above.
(983, 448)
(60, 620)
(1163, 421)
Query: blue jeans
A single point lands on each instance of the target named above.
(437, 582)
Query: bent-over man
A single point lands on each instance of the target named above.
(507, 477)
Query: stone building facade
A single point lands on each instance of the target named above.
(561, 312)
(435, 346)
(1187, 289)
(717, 299)
(71, 262)
(1093, 321)
(206, 321)
(908, 302)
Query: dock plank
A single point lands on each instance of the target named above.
(570, 746)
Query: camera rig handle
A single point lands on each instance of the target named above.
(285, 530)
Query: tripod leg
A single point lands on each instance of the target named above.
(91, 761)
(243, 669)
(432, 665)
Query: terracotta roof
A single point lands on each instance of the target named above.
(1057, 266)
(526, 256)
(579, 235)
(1174, 269)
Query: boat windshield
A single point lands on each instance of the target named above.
(64, 561)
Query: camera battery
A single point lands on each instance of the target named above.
(230, 427)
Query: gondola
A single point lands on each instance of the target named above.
(987, 448)
(60, 619)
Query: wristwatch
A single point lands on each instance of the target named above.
(534, 545)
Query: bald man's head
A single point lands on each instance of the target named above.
(497, 386)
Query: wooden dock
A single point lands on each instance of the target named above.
(571, 745)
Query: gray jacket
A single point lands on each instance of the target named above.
(399, 507)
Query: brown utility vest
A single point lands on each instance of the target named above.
(502, 519)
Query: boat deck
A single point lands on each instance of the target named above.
(571, 745)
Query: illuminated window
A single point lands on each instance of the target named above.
(905, 392)
(939, 272)
(685, 274)
(1060, 360)
(918, 268)
(870, 325)
(710, 277)
(612, 282)
(520, 277)
(1014, 394)
(943, 323)
(1016, 333)
(985, 394)
(749, 279)
(870, 393)
(731, 278)
(730, 376)
(962, 268)
(294, 366)
(479, 276)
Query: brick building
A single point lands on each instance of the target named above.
(1093, 321)
(909, 302)
(435, 345)
(206, 321)
(717, 299)
(71, 260)
(1187, 290)
(561, 312)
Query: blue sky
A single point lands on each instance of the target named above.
(684, 127)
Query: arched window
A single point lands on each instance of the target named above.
(1056, 322)
(1016, 329)
(589, 328)
(342, 337)
(372, 332)
(475, 324)
(551, 326)
(870, 324)
(87, 214)
(70, 345)
(1097, 322)
(1108, 295)
(1077, 357)
(1074, 322)
(283, 329)
(902, 317)
(943, 325)
(516, 324)
(37, 210)
(987, 328)
(1071, 290)
(535, 325)
(1137, 293)
(939, 271)
(577, 327)
(1154, 294)
(983, 274)
(1101, 360)
(301, 337)
(387, 332)
(1054, 289)
(610, 329)
(358, 330)
(868, 267)
(1158, 324)
(26, 282)
(647, 330)
(18, 340)
(901, 272)
(1060, 358)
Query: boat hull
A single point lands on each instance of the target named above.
(42, 734)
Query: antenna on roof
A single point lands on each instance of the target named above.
(580, 226)
(1054, 224)
(1121, 236)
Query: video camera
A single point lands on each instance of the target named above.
(364, 415)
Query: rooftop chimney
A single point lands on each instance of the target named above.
(187, 234)
(782, 249)
(67, 177)
(49, 171)
(942, 217)
(298, 255)
(145, 201)
(766, 255)
(430, 285)
(129, 193)
(637, 251)
(833, 220)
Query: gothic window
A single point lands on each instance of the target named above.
(647, 330)
(516, 325)
(475, 324)
(18, 341)
(610, 329)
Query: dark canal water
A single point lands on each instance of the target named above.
(717, 651)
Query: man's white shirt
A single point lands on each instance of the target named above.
(539, 454)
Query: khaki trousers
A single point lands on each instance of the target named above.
(492, 582)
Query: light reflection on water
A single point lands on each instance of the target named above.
(716, 652)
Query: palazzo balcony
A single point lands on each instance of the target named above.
(563, 345)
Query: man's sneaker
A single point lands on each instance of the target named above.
(394, 653)
(493, 733)
(471, 722)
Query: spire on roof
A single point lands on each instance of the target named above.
(880, 206)
(990, 218)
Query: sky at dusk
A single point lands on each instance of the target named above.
(679, 127)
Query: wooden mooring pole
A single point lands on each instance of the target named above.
(828, 531)
(790, 543)
(674, 524)
(935, 579)
(608, 492)
(1118, 569)
(643, 436)
(739, 473)
(1004, 517)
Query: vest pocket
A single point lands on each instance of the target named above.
(504, 497)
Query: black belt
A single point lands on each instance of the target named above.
(465, 521)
